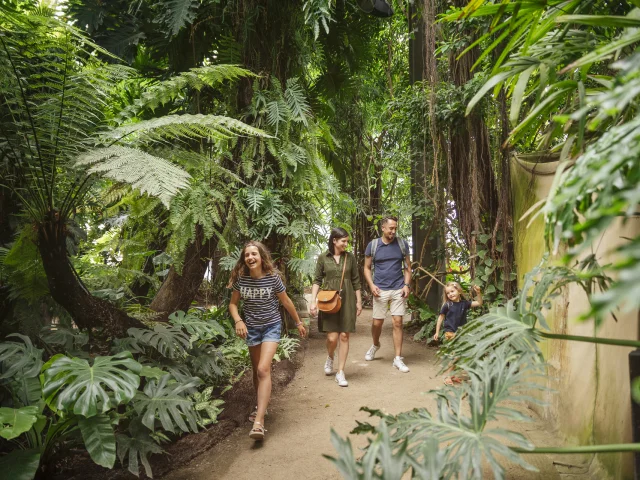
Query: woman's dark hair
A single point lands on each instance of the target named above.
(336, 234)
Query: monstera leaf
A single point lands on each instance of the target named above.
(168, 341)
(99, 439)
(16, 421)
(73, 384)
(22, 358)
(137, 447)
(167, 402)
(204, 330)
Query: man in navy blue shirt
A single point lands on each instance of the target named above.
(386, 257)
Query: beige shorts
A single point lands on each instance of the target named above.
(389, 300)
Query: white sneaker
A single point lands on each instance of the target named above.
(371, 353)
(399, 364)
(328, 366)
(340, 380)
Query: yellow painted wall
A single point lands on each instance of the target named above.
(591, 403)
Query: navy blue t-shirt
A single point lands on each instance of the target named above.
(388, 263)
(455, 314)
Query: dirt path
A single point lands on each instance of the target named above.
(301, 416)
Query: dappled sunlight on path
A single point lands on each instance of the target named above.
(301, 415)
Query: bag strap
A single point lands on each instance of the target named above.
(344, 268)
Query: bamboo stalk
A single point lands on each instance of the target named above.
(603, 341)
(611, 448)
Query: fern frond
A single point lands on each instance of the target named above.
(172, 127)
(153, 175)
(277, 113)
(173, 88)
(297, 102)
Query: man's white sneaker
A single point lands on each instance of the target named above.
(399, 364)
(328, 366)
(340, 380)
(371, 353)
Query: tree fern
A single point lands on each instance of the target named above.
(175, 87)
(149, 174)
(186, 127)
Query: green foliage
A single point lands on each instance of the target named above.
(117, 405)
(99, 439)
(424, 316)
(203, 403)
(74, 385)
(136, 447)
(286, 348)
(20, 464)
(16, 421)
(157, 177)
(205, 329)
(316, 13)
(166, 401)
(176, 14)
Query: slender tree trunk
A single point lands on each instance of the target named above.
(67, 289)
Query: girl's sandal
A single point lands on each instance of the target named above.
(258, 431)
(252, 415)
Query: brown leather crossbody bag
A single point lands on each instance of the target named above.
(329, 301)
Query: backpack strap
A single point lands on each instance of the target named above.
(403, 248)
(374, 247)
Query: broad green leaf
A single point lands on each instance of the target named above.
(99, 439)
(20, 464)
(22, 358)
(16, 421)
(168, 403)
(137, 447)
(193, 324)
(152, 372)
(170, 341)
(74, 385)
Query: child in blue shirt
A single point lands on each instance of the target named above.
(454, 314)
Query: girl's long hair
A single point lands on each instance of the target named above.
(336, 234)
(241, 269)
(455, 285)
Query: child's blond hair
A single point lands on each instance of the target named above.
(455, 285)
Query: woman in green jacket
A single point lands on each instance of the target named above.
(341, 324)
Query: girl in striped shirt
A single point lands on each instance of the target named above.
(255, 280)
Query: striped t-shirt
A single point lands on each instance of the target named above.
(260, 298)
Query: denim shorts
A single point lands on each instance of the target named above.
(257, 334)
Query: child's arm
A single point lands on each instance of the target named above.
(241, 328)
(478, 301)
(290, 307)
(438, 325)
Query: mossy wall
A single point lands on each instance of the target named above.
(591, 403)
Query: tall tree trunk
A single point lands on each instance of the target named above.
(180, 288)
(67, 289)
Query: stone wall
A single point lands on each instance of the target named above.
(591, 403)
